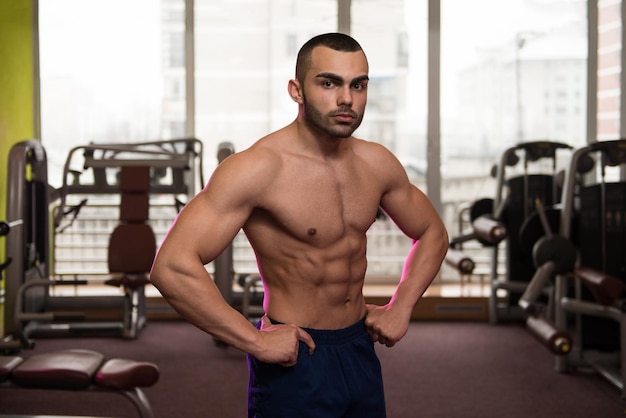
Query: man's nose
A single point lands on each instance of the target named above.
(344, 96)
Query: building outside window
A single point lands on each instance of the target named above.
(114, 72)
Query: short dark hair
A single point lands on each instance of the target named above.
(334, 40)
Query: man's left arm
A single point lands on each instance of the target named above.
(415, 215)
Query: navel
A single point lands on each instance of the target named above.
(311, 231)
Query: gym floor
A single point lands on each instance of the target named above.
(447, 369)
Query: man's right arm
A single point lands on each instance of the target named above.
(202, 230)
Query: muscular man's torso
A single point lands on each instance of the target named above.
(308, 231)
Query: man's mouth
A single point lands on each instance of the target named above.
(343, 117)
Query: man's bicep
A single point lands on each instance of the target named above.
(205, 227)
(410, 209)
(210, 221)
(405, 204)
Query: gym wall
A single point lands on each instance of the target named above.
(17, 84)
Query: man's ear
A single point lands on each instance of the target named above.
(295, 91)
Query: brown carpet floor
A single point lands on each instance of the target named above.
(440, 369)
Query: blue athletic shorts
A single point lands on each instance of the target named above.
(341, 379)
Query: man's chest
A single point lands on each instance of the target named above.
(325, 203)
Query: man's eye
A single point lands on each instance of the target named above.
(328, 83)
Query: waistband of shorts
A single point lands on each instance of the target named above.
(335, 336)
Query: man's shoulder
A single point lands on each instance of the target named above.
(370, 150)
(241, 179)
(261, 154)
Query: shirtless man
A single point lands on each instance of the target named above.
(305, 196)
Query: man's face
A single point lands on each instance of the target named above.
(335, 91)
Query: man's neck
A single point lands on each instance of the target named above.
(319, 143)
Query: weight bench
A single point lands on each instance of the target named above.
(77, 369)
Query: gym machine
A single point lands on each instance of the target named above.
(517, 190)
(25, 233)
(175, 165)
(552, 254)
(31, 309)
(526, 172)
(590, 300)
(484, 228)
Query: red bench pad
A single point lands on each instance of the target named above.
(125, 374)
(66, 369)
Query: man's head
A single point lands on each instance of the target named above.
(331, 84)
(336, 41)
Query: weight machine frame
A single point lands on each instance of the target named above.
(31, 315)
(571, 302)
(532, 152)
